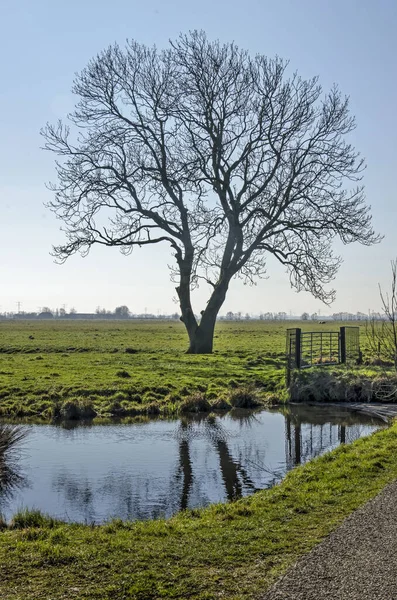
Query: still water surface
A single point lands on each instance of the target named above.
(92, 473)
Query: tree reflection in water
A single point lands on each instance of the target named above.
(234, 475)
(198, 461)
(185, 470)
(140, 496)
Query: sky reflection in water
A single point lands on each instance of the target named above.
(148, 470)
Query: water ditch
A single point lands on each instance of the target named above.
(91, 473)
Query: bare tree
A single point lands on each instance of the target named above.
(217, 154)
(382, 334)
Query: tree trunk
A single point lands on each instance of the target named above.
(202, 336)
(201, 340)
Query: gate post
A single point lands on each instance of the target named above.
(298, 346)
(342, 342)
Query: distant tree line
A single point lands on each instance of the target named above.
(120, 312)
(123, 312)
(340, 316)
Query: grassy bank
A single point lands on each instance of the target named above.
(231, 551)
(364, 384)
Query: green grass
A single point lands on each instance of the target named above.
(58, 368)
(95, 362)
(233, 551)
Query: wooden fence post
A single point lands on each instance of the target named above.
(342, 345)
(298, 347)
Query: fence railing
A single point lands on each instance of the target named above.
(306, 349)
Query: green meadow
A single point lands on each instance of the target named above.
(129, 365)
(233, 551)
(128, 368)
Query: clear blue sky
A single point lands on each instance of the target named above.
(43, 43)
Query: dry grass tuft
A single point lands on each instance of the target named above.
(342, 386)
(195, 403)
(244, 397)
(11, 437)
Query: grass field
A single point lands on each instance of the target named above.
(227, 551)
(130, 365)
(134, 367)
(230, 551)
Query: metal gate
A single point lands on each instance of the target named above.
(306, 349)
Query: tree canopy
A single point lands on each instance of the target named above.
(122, 311)
(216, 153)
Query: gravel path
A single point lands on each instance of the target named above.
(358, 561)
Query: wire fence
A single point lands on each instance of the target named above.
(306, 349)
